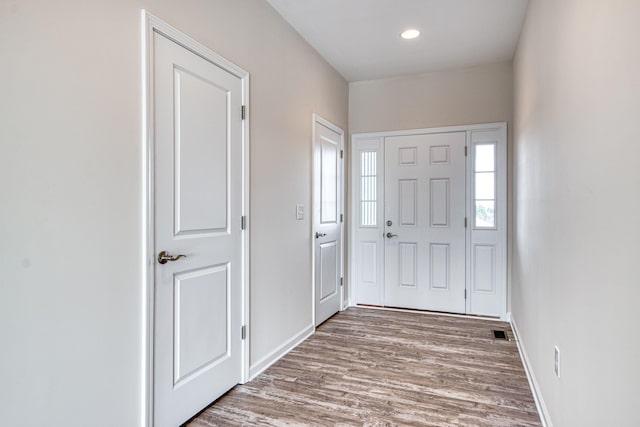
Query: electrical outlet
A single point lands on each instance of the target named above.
(557, 361)
(299, 212)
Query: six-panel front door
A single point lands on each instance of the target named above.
(425, 222)
(198, 195)
(327, 226)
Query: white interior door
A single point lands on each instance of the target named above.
(425, 222)
(327, 218)
(198, 202)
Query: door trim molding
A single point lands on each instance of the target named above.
(149, 25)
(444, 129)
(317, 119)
(352, 225)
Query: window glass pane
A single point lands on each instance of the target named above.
(485, 215)
(485, 157)
(368, 163)
(485, 185)
(368, 189)
(368, 214)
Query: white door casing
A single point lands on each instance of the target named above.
(486, 213)
(197, 198)
(425, 221)
(327, 218)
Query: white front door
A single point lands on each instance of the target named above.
(424, 222)
(198, 208)
(327, 218)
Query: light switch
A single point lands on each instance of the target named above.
(299, 212)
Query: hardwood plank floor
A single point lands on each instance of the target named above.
(367, 367)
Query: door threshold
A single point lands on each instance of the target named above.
(430, 312)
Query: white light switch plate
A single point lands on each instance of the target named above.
(299, 212)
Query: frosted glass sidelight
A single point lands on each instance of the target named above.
(368, 189)
(484, 189)
(485, 214)
(485, 186)
(485, 157)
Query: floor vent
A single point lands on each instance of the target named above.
(499, 335)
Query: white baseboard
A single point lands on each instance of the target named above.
(271, 358)
(533, 383)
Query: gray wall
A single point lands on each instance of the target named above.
(575, 282)
(71, 214)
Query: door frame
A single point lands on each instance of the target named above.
(149, 25)
(318, 120)
(377, 139)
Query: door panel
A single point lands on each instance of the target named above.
(198, 190)
(327, 227)
(201, 298)
(407, 263)
(439, 266)
(198, 161)
(425, 204)
(328, 270)
(329, 159)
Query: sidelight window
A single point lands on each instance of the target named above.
(484, 177)
(368, 189)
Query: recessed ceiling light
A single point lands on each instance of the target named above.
(409, 34)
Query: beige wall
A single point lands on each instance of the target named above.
(482, 94)
(71, 212)
(575, 282)
(458, 97)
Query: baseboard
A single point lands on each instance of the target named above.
(533, 383)
(271, 358)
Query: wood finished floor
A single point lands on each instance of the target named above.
(368, 367)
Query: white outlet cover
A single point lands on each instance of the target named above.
(299, 212)
(557, 361)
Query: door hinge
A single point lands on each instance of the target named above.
(341, 218)
(243, 222)
(465, 222)
(244, 332)
(465, 149)
(341, 154)
(465, 294)
(244, 112)
(341, 281)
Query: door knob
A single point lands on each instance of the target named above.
(318, 234)
(165, 256)
(390, 235)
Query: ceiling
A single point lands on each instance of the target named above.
(361, 38)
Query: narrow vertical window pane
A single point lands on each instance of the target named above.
(485, 186)
(368, 214)
(368, 189)
(485, 157)
(484, 191)
(485, 214)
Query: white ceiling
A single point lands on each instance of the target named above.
(361, 38)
